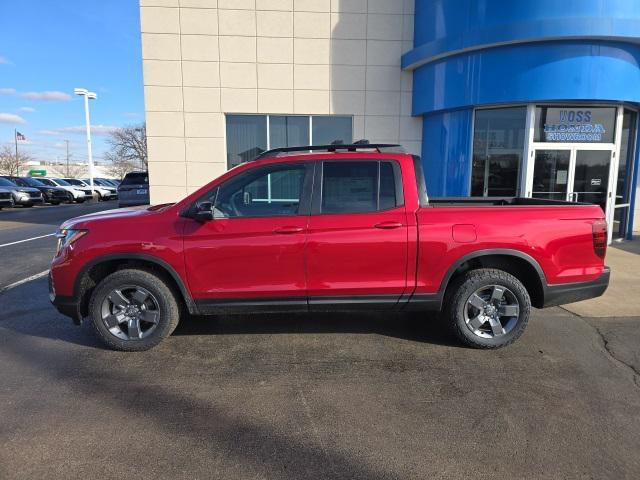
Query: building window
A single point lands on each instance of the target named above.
(575, 124)
(250, 135)
(498, 142)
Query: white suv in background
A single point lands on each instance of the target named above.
(76, 194)
(103, 193)
(102, 184)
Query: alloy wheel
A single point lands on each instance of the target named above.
(130, 312)
(491, 311)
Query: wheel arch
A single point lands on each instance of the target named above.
(98, 268)
(519, 264)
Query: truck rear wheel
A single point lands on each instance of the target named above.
(133, 310)
(488, 308)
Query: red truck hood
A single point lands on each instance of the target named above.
(85, 221)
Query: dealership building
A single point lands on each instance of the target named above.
(498, 97)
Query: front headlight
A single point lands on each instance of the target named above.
(68, 236)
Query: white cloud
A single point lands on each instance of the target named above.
(27, 109)
(5, 61)
(52, 96)
(11, 118)
(81, 130)
(49, 95)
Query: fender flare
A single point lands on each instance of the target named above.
(507, 252)
(166, 267)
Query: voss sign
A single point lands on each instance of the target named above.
(572, 126)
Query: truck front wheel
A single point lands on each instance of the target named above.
(487, 308)
(133, 310)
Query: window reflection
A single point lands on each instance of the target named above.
(250, 135)
(498, 141)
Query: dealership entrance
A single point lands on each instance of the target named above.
(582, 154)
(577, 153)
(573, 174)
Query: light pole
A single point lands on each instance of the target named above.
(87, 96)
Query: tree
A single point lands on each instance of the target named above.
(119, 166)
(10, 164)
(128, 146)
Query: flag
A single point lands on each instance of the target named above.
(20, 137)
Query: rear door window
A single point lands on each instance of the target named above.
(358, 187)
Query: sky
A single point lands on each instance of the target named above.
(49, 47)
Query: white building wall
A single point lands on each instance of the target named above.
(205, 58)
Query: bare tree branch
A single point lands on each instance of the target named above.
(10, 164)
(129, 144)
(118, 167)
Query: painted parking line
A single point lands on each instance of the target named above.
(24, 280)
(27, 240)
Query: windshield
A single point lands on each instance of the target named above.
(6, 183)
(32, 182)
(48, 182)
(20, 182)
(135, 178)
(59, 181)
(73, 181)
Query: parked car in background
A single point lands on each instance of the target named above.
(100, 192)
(75, 194)
(6, 199)
(52, 195)
(112, 181)
(100, 185)
(88, 195)
(348, 228)
(25, 196)
(134, 189)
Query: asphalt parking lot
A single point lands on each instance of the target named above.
(343, 396)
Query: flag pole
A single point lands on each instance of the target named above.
(15, 139)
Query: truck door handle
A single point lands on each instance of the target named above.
(388, 225)
(288, 230)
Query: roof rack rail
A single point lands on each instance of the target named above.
(335, 147)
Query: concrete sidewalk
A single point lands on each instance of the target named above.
(622, 298)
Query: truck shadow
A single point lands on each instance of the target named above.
(416, 327)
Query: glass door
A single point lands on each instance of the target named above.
(591, 177)
(551, 174)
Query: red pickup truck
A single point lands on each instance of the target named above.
(327, 228)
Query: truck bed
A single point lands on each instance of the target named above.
(496, 201)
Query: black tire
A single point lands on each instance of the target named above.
(475, 280)
(80, 200)
(167, 306)
(54, 203)
(27, 205)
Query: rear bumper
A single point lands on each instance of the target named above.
(574, 292)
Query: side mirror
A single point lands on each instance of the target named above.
(203, 212)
